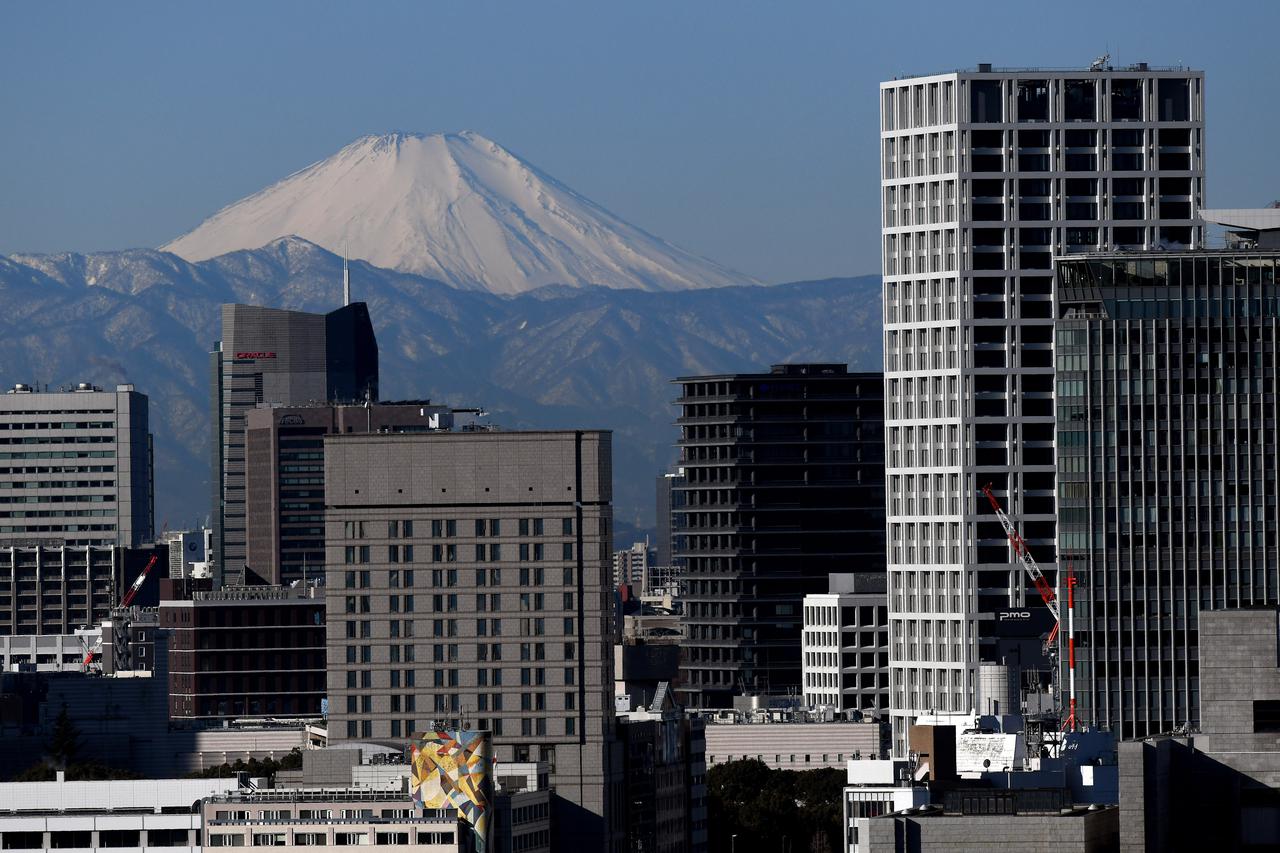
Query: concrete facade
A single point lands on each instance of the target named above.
(75, 467)
(987, 175)
(845, 645)
(793, 746)
(468, 580)
(1218, 788)
(1081, 831)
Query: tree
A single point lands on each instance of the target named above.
(64, 745)
(774, 810)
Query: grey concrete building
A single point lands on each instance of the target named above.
(1218, 787)
(1167, 468)
(986, 175)
(783, 485)
(75, 467)
(1088, 829)
(268, 355)
(284, 476)
(845, 645)
(468, 582)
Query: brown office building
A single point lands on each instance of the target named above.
(284, 477)
(246, 652)
(468, 581)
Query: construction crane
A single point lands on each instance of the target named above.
(137, 584)
(1029, 563)
(1050, 599)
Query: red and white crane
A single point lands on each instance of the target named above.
(1049, 597)
(137, 584)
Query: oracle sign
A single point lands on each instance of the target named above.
(255, 355)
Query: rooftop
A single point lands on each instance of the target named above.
(1101, 65)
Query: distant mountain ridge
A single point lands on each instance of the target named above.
(458, 208)
(554, 357)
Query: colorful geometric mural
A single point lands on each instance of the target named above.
(453, 768)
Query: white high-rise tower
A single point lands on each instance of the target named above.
(986, 176)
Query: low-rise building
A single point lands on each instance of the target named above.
(141, 814)
(330, 820)
(846, 645)
(47, 652)
(794, 745)
(992, 822)
(246, 652)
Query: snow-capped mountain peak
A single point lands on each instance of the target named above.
(457, 207)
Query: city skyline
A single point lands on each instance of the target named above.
(725, 146)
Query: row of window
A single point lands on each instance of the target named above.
(536, 552)
(448, 527)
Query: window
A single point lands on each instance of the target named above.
(350, 839)
(1266, 715)
(269, 839)
(216, 839)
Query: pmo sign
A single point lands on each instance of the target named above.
(1023, 622)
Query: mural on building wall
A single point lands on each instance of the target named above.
(452, 768)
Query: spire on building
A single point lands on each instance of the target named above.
(346, 283)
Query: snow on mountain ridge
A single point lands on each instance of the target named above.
(456, 207)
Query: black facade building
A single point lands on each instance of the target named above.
(783, 485)
(1167, 468)
(273, 356)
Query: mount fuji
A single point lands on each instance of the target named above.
(457, 208)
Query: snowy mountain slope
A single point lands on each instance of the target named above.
(554, 358)
(457, 208)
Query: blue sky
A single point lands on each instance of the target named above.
(743, 131)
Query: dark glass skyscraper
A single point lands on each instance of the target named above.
(784, 484)
(1167, 467)
(268, 355)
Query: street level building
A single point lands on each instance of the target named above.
(846, 645)
(268, 355)
(1167, 468)
(783, 485)
(666, 803)
(75, 467)
(468, 581)
(987, 175)
(284, 479)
